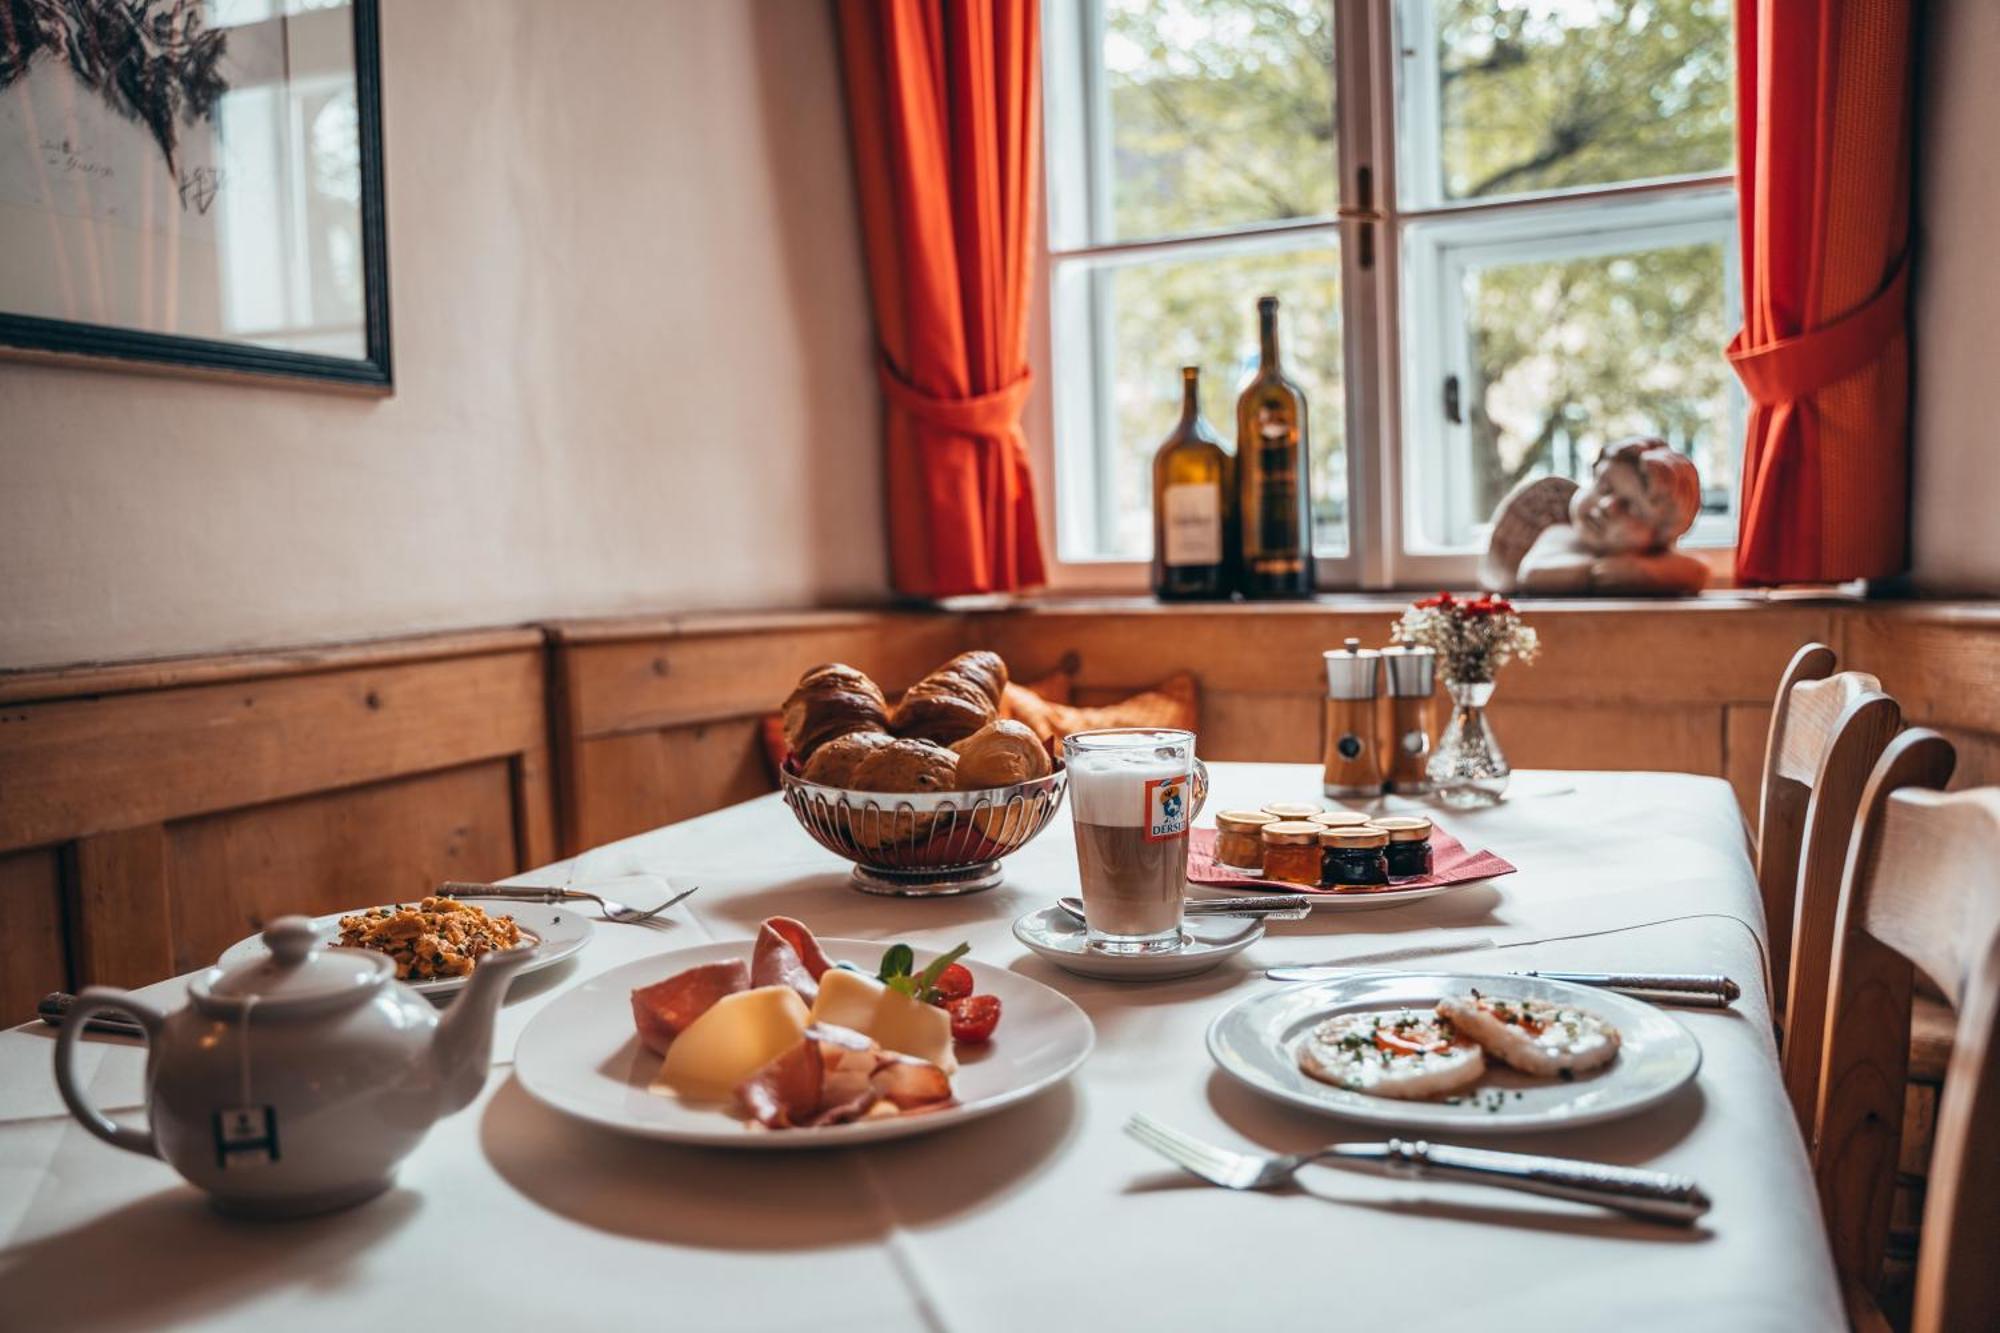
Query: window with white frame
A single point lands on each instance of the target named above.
(1503, 233)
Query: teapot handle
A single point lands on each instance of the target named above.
(92, 1000)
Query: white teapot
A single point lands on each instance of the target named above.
(294, 1084)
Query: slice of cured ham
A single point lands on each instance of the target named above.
(837, 1075)
(786, 954)
(663, 1010)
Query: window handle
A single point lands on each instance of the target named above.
(1452, 411)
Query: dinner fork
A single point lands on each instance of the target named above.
(518, 893)
(1653, 1195)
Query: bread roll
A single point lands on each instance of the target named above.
(833, 763)
(953, 701)
(831, 700)
(1000, 754)
(907, 765)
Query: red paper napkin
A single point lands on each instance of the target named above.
(1451, 863)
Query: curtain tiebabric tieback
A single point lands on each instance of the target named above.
(981, 414)
(1792, 368)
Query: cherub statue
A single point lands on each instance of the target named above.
(1615, 535)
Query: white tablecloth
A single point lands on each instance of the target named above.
(510, 1216)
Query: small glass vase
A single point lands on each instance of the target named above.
(1467, 769)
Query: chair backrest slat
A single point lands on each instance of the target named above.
(1827, 729)
(1921, 890)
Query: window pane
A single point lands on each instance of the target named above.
(1159, 316)
(1554, 94)
(1568, 355)
(1220, 114)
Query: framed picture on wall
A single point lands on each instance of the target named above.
(195, 184)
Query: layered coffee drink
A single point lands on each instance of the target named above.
(1131, 795)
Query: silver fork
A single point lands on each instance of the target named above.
(1653, 1195)
(515, 893)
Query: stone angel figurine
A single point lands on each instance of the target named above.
(1614, 536)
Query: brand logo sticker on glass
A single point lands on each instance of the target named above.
(1166, 808)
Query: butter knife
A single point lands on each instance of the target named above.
(1264, 907)
(1695, 990)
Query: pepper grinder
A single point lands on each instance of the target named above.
(1353, 759)
(1406, 717)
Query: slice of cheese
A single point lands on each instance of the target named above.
(739, 1035)
(896, 1021)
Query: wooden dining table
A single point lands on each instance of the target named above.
(1041, 1216)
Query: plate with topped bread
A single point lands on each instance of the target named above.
(927, 795)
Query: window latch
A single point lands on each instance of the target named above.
(1452, 410)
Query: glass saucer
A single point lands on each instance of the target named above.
(1205, 942)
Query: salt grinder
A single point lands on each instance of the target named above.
(1353, 760)
(1406, 717)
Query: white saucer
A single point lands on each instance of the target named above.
(1059, 937)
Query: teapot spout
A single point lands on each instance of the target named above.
(462, 1050)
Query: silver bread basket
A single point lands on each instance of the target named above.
(924, 844)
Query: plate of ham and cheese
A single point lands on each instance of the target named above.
(790, 1041)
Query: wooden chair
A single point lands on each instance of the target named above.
(1827, 730)
(1921, 895)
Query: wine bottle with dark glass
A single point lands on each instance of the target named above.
(1273, 472)
(1194, 503)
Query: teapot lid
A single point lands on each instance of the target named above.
(296, 971)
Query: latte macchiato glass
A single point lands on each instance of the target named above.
(1131, 798)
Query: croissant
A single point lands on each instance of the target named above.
(953, 701)
(833, 763)
(1000, 754)
(907, 765)
(832, 699)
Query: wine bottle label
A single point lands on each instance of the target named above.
(1193, 524)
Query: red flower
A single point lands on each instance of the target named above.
(1443, 601)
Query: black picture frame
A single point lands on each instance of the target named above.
(79, 343)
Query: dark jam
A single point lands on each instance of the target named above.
(1409, 859)
(1353, 865)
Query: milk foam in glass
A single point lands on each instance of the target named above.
(1131, 799)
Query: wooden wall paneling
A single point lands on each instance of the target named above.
(1745, 729)
(1274, 728)
(33, 952)
(74, 767)
(230, 873)
(1941, 663)
(640, 780)
(1642, 653)
(1681, 738)
(630, 679)
(122, 929)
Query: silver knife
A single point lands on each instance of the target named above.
(1651, 1194)
(1264, 908)
(1699, 991)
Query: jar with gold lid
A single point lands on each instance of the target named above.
(1239, 844)
(1352, 858)
(1409, 849)
(1291, 851)
(1342, 819)
(1293, 809)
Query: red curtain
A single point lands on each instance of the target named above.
(1823, 145)
(944, 105)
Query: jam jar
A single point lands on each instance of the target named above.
(1293, 809)
(1291, 851)
(1409, 847)
(1341, 819)
(1239, 844)
(1353, 857)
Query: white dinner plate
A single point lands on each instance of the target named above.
(1335, 902)
(1205, 942)
(581, 1056)
(1257, 1043)
(558, 932)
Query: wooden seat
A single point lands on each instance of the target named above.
(1921, 891)
(1827, 730)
